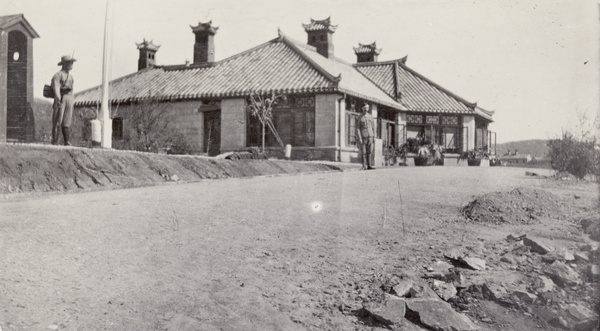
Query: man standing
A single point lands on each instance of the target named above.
(366, 137)
(62, 109)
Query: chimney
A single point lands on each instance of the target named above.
(320, 35)
(516, 152)
(366, 53)
(204, 46)
(147, 54)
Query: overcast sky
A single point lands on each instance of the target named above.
(535, 63)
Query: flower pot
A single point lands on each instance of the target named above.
(420, 161)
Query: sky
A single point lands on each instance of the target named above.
(535, 63)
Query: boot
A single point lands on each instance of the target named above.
(369, 162)
(364, 162)
(54, 135)
(66, 135)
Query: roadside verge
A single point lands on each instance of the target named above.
(33, 168)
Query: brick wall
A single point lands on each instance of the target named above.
(233, 124)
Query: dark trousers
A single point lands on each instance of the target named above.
(367, 149)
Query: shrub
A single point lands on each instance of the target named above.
(576, 156)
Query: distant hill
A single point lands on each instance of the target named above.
(534, 147)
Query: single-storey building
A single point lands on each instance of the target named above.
(515, 158)
(320, 97)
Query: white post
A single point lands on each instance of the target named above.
(104, 115)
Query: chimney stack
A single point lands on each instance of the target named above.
(204, 46)
(320, 35)
(366, 53)
(147, 54)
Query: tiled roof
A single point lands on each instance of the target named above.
(10, 20)
(367, 49)
(280, 65)
(316, 25)
(415, 91)
(351, 81)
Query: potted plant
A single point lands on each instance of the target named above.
(391, 155)
(423, 152)
(475, 156)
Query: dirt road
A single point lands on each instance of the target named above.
(284, 253)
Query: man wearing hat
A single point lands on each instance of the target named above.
(365, 134)
(62, 109)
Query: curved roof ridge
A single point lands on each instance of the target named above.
(395, 97)
(292, 44)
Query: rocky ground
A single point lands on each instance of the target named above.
(499, 283)
(423, 248)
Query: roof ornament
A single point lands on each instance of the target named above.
(367, 49)
(147, 45)
(318, 25)
(205, 27)
(337, 80)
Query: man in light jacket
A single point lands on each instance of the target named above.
(366, 137)
(62, 109)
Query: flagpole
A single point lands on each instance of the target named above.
(104, 116)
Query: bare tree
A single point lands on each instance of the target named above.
(151, 120)
(260, 105)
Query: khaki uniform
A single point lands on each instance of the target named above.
(62, 109)
(366, 134)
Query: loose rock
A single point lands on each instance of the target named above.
(444, 290)
(582, 257)
(543, 284)
(439, 315)
(402, 288)
(439, 267)
(562, 274)
(495, 292)
(537, 245)
(422, 291)
(390, 311)
(473, 263)
(582, 318)
(454, 254)
(525, 296)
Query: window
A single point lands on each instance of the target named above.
(294, 120)
(441, 130)
(451, 139)
(117, 128)
(351, 119)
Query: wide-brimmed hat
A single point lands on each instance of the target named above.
(66, 59)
